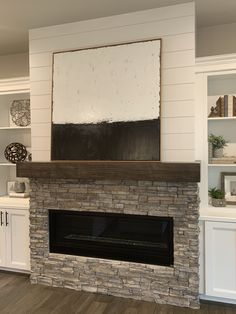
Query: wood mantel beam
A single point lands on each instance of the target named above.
(111, 170)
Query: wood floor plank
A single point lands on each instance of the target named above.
(96, 308)
(28, 300)
(118, 305)
(73, 303)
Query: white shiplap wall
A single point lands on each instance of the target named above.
(175, 25)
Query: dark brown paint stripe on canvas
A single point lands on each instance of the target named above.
(132, 140)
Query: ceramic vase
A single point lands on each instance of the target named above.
(218, 152)
(218, 202)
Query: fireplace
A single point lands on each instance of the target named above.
(167, 191)
(135, 238)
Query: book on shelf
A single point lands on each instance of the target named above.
(226, 97)
(230, 106)
(234, 106)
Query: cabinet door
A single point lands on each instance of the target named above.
(220, 259)
(2, 239)
(17, 239)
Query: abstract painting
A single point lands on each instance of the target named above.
(106, 103)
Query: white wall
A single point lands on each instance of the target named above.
(15, 65)
(175, 25)
(216, 40)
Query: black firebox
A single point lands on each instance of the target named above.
(136, 238)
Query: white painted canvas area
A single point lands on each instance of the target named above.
(115, 83)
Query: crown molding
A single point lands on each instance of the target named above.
(216, 63)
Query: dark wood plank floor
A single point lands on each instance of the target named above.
(18, 296)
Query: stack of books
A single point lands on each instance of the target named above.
(225, 107)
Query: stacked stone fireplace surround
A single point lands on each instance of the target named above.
(177, 285)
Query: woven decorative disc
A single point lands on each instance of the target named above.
(20, 112)
(15, 152)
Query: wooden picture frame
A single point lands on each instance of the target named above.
(106, 103)
(228, 186)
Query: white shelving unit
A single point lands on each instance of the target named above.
(12, 89)
(219, 84)
(215, 76)
(211, 85)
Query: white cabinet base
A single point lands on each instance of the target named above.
(17, 239)
(14, 240)
(220, 259)
(215, 299)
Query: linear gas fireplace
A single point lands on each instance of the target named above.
(136, 238)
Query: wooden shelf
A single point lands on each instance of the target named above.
(111, 170)
(7, 164)
(221, 118)
(15, 128)
(221, 165)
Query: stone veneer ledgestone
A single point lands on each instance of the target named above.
(178, 285)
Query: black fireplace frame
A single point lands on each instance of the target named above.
(164, 257)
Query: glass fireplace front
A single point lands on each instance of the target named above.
(136, 238)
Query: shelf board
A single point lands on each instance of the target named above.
(7, 164)
(227, 207)
(14, 128)
(14, 202)
(221, 165)
(221, 118)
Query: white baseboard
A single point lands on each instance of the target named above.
(215, 299)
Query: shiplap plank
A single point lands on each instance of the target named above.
(171, 109)
(178, 76)
(169, 44)
(41, 143)
(178, 59)
(111, 36)
(40, 88)
(178, 42)
(178, 141)
(41, 101)
(41, 155)
(139, 17)
(178, 155)
(177, 125)
(178, 92)
(40, 116)
(41, 74)
(40, 59)
(41, 129)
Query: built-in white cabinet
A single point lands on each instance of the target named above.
(14, 234)
(216, 78)
(14, 239)
(14, 212)
(220, 259)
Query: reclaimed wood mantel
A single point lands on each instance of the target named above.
(111, 170)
